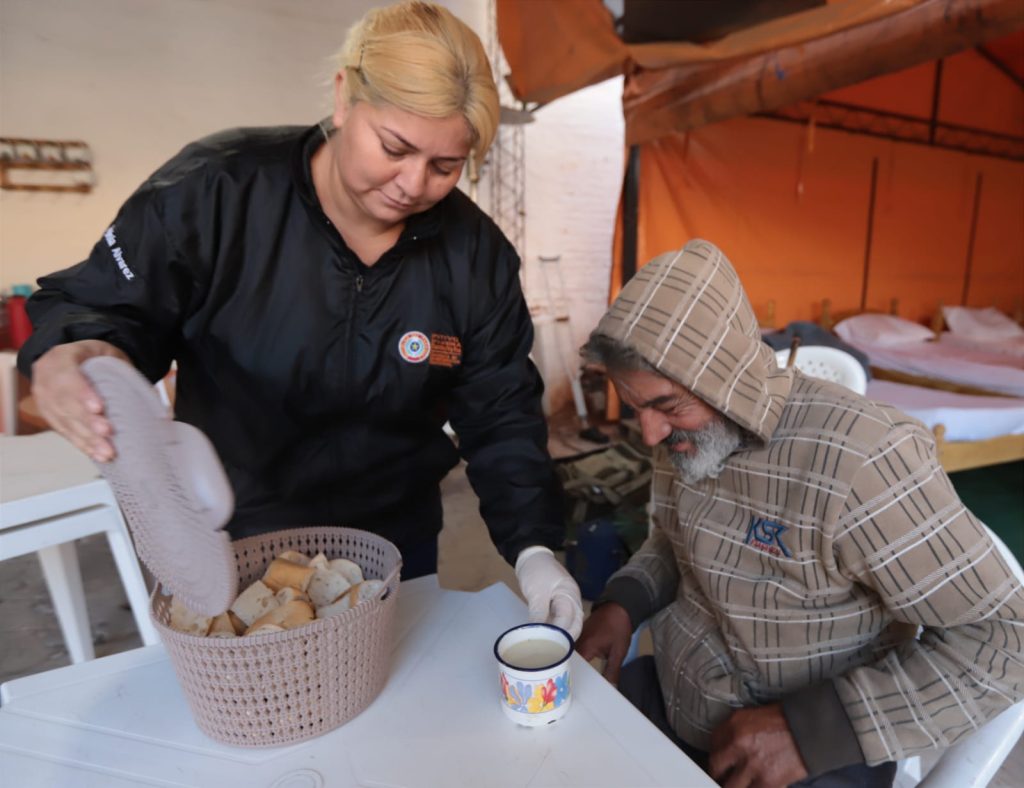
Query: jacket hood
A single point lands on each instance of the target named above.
(686, 313)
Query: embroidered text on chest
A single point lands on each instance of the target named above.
(766, 536)
(445, 351)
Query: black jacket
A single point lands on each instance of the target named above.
(308, 370)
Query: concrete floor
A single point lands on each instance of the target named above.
(30, 641)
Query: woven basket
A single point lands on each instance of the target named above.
(284, 687)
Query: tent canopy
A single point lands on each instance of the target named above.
(897, 173)
(555, 48)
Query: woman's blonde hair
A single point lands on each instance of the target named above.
(421, 58)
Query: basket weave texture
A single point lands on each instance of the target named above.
(285, 687)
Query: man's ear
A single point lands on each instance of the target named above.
(340, 102)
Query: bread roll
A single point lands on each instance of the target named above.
(349, 569)
(288, 616)
(264, 629)
(283, 573)
(361, 592)
(369, 589)
(184, 620)
(295, 557)
(237, 623)
(333, 609)
(326, 586)
(289, 594)
(254, 602)
(222, 627)
(319, 561)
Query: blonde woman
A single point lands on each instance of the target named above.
(331, 299)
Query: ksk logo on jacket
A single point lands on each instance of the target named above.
(766, 536)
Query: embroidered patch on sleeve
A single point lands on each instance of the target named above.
(445, 351)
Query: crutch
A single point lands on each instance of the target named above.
(588, 432)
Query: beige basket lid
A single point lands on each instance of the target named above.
(172, 488)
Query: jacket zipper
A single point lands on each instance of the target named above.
(350, 324)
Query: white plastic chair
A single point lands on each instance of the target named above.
(8, 392)
(974, 760)
(51, 495)
(828, 363)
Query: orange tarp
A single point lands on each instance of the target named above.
(738, 184)
(676, 98)
(554, 48)
(792, 204)
(794, 219)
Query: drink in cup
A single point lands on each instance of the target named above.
(533, 666)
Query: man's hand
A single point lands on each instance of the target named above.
(550, 591)
(607, 634)
(68, 401)
(755, 747)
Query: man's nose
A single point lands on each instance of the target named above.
(654, 427)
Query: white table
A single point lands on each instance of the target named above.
(123, 721)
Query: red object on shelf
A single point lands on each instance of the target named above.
(19, 325)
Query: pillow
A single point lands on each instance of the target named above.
(976, 323)
(882, 330)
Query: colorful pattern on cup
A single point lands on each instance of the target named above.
(535, 697)
(535, 673)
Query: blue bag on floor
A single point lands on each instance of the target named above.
(596, 553)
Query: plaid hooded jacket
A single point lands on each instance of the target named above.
(804, 571)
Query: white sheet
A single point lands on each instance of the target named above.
(965, 416)
(1012, 347)
(950, 361)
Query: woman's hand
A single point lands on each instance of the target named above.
(550, 591)
(67, 400)
(606, 634)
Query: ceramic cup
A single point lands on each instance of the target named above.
(533, 664)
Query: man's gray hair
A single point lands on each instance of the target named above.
(611, 353)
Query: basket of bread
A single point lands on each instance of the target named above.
(274, 638)
(303, 648)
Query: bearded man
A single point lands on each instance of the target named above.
(821, 602)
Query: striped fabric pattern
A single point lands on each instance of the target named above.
(817, 556)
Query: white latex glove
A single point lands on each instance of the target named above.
(550, 591)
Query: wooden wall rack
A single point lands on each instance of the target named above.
(36, 165)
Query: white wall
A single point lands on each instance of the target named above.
(574, 169)
(138, 79)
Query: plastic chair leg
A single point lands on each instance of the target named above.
(975, 759)
(134, 585)
(64, 581)
(909, 771)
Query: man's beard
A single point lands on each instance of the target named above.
(711, 447)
